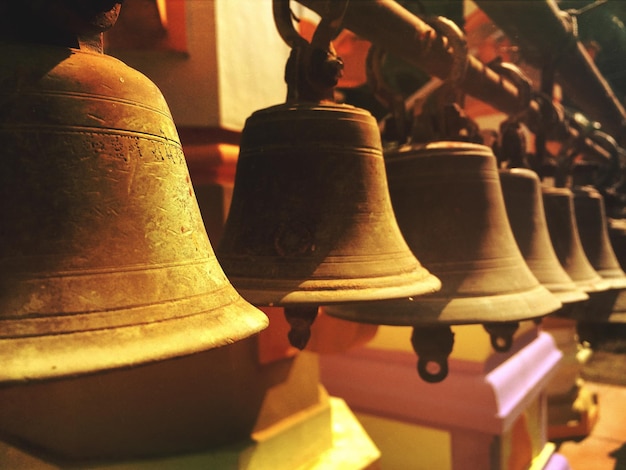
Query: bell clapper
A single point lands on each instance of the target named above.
(433, 345)
(300, 318)
(501, 334)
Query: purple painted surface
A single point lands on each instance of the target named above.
(557, 462)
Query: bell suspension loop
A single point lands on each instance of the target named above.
(313, 68)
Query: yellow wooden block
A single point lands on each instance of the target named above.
(405, 445)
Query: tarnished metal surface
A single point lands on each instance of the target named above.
(311, 221)
(104, 259)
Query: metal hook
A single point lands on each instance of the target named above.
(512, 139)
(330, 24)
(458, 43)
(386, 95)
(283, 20)
(313, 69)
(327, 29)
(523, 84)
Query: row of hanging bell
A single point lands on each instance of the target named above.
(578, 230)
(574, 232)
(104, 259)
(448, 201)
(524, 201)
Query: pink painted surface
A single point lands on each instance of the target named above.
(487, 398)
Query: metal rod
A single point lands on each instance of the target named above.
(392, 27)
(547, 37)
(395, 29)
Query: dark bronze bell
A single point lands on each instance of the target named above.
(448, 202)
(104, 259)
(310, 221)
(592, 226)
(609, 310)
(521, 189)
(561, 219)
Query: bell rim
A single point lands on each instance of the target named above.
(593, 285)
(567, 293)
(433, 310)
(444, 146)
(62, 356)
(342, 108)
(615, 277)
(323, 292)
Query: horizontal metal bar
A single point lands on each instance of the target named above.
(546, 38)
(390, 26)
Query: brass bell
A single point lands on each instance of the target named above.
(561, 220)
(593, 229)
(104, 259)
(448, 202)
(310, 222)
(521, 189)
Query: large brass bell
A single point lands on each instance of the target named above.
(521, 189)
(448, 202)
(104, 259)
(310, 221)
